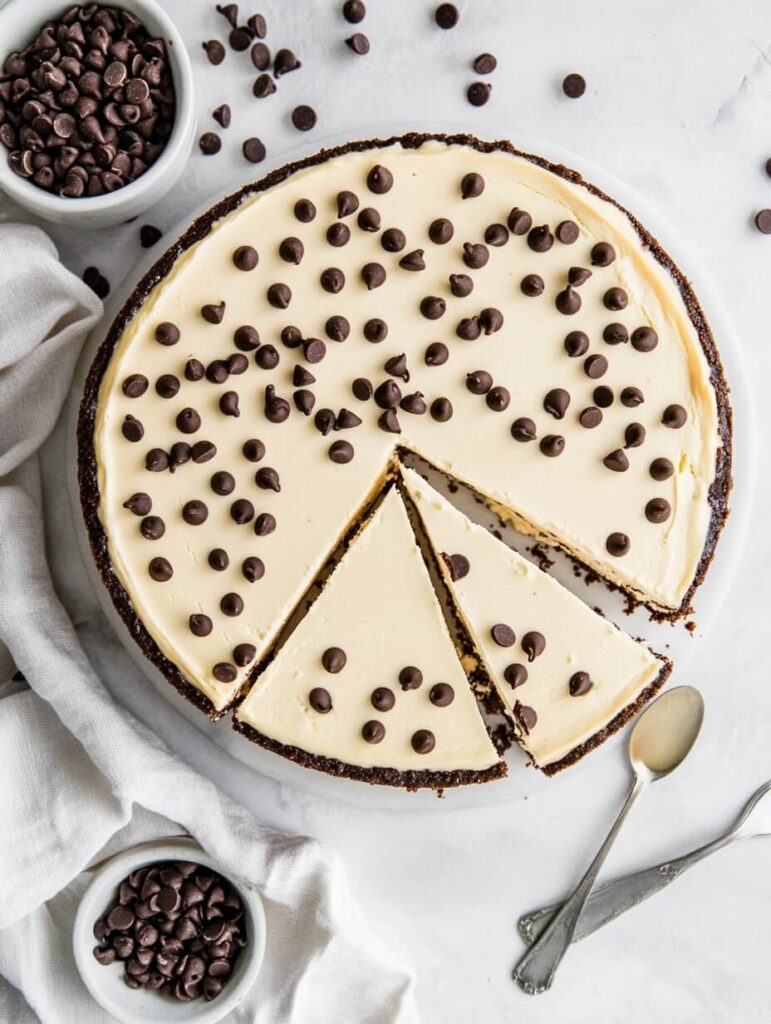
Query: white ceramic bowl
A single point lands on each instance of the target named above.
(143, 1006)
(20, 20)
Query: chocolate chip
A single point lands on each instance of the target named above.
(215, 51)
(388, 394)
(568, 301)
(533, 644)
(579, 684)
(574, 85)
(347, 420)
(532, 285)
(491, 320)
(167, 333)
(498, 399)
(194, 370)
(496, 234)
(472, 185)
(634, 435)
(617, 544)
(179, 453)
(149, 235)
(461, 285)
(267, 357)
(333, 659)
(379, 180)
(341, 452)
(156, 460)
(324, 421)
(132, 429)
(332, 280)
(210, 143)
(320, 700)
(203, 451)
(160, 569)
(441, 410)
(389, 422)
(393, 240)
(413, 261)
(222, 482)
(484, 64)
(222, 115)
(254, 150)
(231, 605)
(139, 503)
(567, 232)
(373, 275)
(267, 479)
(763, 221)
(475, 255)
(188, 421)
(414, 404)
(245, 258)
(258, 25)
(617, 461)
(632, 397)
(423, 741)
(552, 445)
(213, 312)
(239, 39)
(658, 510)
(375, 330)
(523, 429)
(479, 382)
(615, 334)
(279, 295)
(441, 231)
(242, 510)
(661, 469)
(217, 371)
(359, 43)
(515, 675)
(446, 16)
(556, 402)
(237, 363)
(246, 338)
(540, 239)
(218, 559)
(200, 625)
(347, 203)
(354, 11)
(253, 568)
(314, 350)
(302, 377)
(437, 354)
(432, 307)
(253, 450)
(503, 635)
(291, 250)
(576, 344)
(338, 234)
(519, 221)
(615, 299)
(304, 210)
(478, 93)
(223, 672)
(373, 732)
(578, 276)
(368, 219)
(152, 527)
(285, 61)
(244, 654)
(644, 339)
(397, 367)
(383, 699)
(264, 524)
(595, 366)
(410, 678)
(603, 254)
(362, 389)
(674, 417)
(603, 397)
(590, 417)
(195, 512)
(337, 328)
(260, 56)
(458, 566)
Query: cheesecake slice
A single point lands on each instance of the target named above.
(369, 685)
(567, 677)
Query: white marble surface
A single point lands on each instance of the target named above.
(677, 106)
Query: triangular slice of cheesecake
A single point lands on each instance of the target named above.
(369, 685)
(567, 677)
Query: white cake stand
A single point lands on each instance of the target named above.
(674, 640)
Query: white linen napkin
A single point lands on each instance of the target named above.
(80, 778)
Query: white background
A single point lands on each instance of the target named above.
(678, 106)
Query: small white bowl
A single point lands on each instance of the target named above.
(144, 1006)
(20, 20)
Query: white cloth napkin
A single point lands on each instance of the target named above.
(80, 778)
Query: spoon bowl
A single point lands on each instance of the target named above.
(665, 733)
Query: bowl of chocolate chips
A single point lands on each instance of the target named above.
(162, 933)
(96, 109)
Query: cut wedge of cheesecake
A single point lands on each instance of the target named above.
(567, 677)
(369, 685)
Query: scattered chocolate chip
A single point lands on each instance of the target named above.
(203, 451)
(556, 402)
(320, 700)
(304, 117)
(253, 568)
(540, 239)
(479, 382)
(469, 328)
(617, 544)
(515, 675)
(245, 258)
(475, 255)
(410, 678)
(440, 231)
(200, 625)
(576, 344)
(388, 394)
(414, 404)
(484, 64)
(519, 221)
(267, 479)
(568, 301)
(222, 115)
(263, 86)
(194, 370)
(574, 85)
(285, 61)
(615, 334)
(242, 511)
(552, 445)
(347, 203)
(458, 565)
(139, 503)
(472, 185)
(674, 417)
(347, 420)
(314, 350)
(567, 232)
(324, 421)
(644, 339)
(267, 357)
(149, 235)
(498, 399)
(491, 320)
(496, 234)
(161, 571)
(461, 285)
(437, 354)
(478, 93)
(213, 312)
(260, 55)
(179, 453)
(223, 672)
(578, 276)
(188, 421)
(341, 452)
(579, 684)
(354, 11)
(291, 250)
(243, 655)
(615, 299)
(332, 280)
(195, 512)
(229, 404)
(167, 333)
(602, 254)
(532, 285)
(590, 417)
(446, 16)
(634, 435)
(237, 363)
(383, 699)
(441, 410)
(156, 460)
(397, 367)
(389, 422)
(533, 644)
(373, 275)
(380, 180)
(617, 461)
(603, 396)
(423, 741)
(333, 659)
(304, 210)
(254, 150)
(258, 25)
(503, 635)
(215, 51)
(222, 482)
(413, 261)
(368, 219)
(632, 397)
(362, 389)
(337, 328)
(167, 385)
(432, 307)
(239, 39)
(658, 510)
(763, 221)
(279, 295)
(135, 385)
(302, 377)
(373, 732)
(210, 143)
(661, 469)
(375, 330)
(152, 527)
(253, 450)
(523, 429)
(393, 240)
(264, 524)
(246, 338)
(595, 366)
(359, 43)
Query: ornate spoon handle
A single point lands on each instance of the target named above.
(609, 901)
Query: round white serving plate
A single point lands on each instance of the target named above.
(673, 640)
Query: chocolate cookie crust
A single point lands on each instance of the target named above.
(88, 478)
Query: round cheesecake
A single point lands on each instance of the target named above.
(493, 313)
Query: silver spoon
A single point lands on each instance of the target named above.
(609, 901)
(660, 741)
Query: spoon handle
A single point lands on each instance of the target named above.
(535, 971)
(609, 901)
